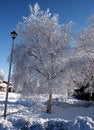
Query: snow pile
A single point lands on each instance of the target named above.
(5, 125)
(63, 102)
(80, 123)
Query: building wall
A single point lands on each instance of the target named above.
(2, 89)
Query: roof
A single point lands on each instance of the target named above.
(3, 85)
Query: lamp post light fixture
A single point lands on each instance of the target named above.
(13, 36)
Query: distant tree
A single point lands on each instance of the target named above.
(81, 73)
(85, 49)
(1, 74)
(82, 93)
(41, 56)
(84, 80)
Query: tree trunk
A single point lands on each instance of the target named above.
(49, 105)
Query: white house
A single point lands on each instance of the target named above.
(3, 86)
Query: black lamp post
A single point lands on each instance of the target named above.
(13, 35)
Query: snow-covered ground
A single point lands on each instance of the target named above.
(67, 114)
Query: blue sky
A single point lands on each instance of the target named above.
(12, 11)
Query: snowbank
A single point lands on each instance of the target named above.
(80, 123)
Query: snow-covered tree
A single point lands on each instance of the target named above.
(85, 46)
(41, 56)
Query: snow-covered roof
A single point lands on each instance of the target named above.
(4, 85)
